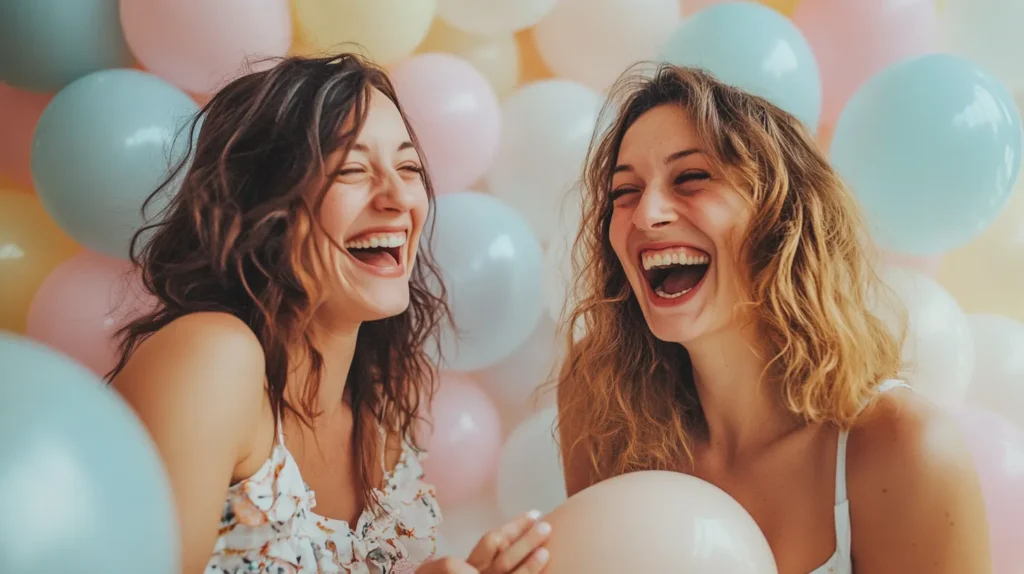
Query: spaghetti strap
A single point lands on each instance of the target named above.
(280, 430)
(844, 436)
(891, 384)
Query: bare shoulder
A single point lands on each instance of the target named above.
(915, 498)
(201, 364)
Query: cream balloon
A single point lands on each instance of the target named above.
(938, 353)
(656, 521)
(998, 382)
(387, 29)
(493, 16)
(530, 469)
(496, 57)
(988, 33)
(594, 41)
(546, 131)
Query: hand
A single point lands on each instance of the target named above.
(512, 549)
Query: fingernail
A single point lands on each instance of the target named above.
(543, 528)
(533, 514)
(541, 554)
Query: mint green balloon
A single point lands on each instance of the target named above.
(47, 44)
(81, 485)
(102, 146)
(754, 48)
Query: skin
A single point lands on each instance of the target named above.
(915, 500)
(198, 384)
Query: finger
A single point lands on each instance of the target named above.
(535, 563)
(498, 540)
(519, 551)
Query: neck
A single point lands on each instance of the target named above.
(742, 411)
(337, 346)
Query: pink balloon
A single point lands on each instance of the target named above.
(19, 114)
(82, 303)
(855, 39)
(928, 265)
(464, 446)
(998, 380)
(455, 114)
(199, 45)
(998, 450)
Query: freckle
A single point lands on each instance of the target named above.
(885, 491)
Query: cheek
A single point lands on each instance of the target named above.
(618, 235)
(335, 216)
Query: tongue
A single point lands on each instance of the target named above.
(375, 257)
(681, 278)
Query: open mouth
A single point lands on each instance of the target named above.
(378, 249)
(674, 271)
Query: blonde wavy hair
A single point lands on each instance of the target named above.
(627, 399)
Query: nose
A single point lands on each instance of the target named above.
(393, 193)
(654, 210)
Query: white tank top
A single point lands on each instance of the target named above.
(841, 561)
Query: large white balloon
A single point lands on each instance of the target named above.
(530, 475)
(998, 382)
(988, 33)
(488, 17)
(938, 353)
(594, 41)
(546, 131)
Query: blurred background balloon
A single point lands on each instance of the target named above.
(496, 57)
(493, 16)
(546, 131)
(531, 65)
(932, 148)
(988, 33)
(998, 450)
(998, 380)
(19, 112)
(102, 146)
(491, 265)
(386, 29)
(786, 7)
(454, 112)
(464, 440)
(938, 353)
(31, 245)
(519, 382)
(199, 45)
(80, 478)
(594, 41)
(47, 44)
(855, 39)
(530, 474)
(82, 303)
(754, 48)
(656, 522)
(465, 523)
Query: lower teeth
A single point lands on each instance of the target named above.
(665, 295)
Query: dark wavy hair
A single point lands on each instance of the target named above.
(243, 236)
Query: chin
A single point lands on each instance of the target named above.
(381, 306)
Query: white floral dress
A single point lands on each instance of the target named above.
(269, 527)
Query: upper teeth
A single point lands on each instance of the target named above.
(665, 258)
(377, 240)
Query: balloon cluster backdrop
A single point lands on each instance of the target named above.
(912, 98)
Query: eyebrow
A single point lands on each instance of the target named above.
(362, 148)
(671, 158)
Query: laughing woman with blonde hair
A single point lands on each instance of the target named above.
(725, 290)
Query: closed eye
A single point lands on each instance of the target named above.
(688, 176)
(617, 193)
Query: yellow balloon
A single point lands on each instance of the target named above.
(531, 66)
(496, 57)
(987, 275)
(386, 29)
(31, 245)
(787, 7)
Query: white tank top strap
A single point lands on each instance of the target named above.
(279, 424)
(842, 508)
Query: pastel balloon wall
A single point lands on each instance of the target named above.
(917, 103)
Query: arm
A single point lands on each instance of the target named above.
(197, 385)
(915, 498)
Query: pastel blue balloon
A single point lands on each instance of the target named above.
(932, 148)
(492, 266)
(47, 44)
(81, 486)
(754, 48)
(101, 147)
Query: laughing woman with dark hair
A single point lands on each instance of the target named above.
(286, 355)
